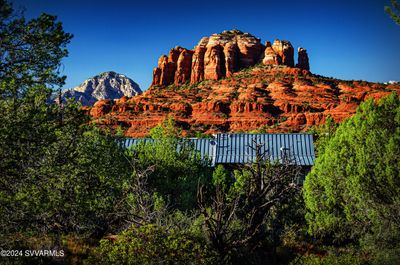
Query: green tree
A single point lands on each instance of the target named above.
(247, 217)
(177, 167)
(352, 192)
(58, 174)
(56, 177)
(30, 51)
(394, 11)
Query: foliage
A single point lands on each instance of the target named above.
(349, 256)
(57, 173)
(177, 167)
(352, 193)
(30, 51)
(152, 244)
(323, 133)
(220, 178)
(330, 259)
(250, 213)
(394, 11)
(57, 177)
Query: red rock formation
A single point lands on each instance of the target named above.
(213, 63)
(278, 99)
(184, 67)
(273, 99)
(219, 55)
(164, 74)
(197, 73)
(250, 49)
(270, 56)
(231, 58)
(174, 54)
(303, 59)
(285, 50)
(156, 77)
(100, 108)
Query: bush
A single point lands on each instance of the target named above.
(152, 244)
(330, 259)
(352, 192)
(178, 169)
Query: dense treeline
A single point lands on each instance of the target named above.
(66, 185)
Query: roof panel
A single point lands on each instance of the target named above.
(240, 148)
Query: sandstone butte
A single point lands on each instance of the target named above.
(230, 82)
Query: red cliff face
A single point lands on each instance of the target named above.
(197, 74)
(184, 67)
(264, 98)
(245, 86)
(270, 56)
(221, 55)
(285, 51)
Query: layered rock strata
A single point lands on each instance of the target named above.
(221, 55)
(264, 98)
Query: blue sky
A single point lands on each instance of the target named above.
(346, 39)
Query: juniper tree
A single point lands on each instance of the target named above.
(352, 192)
(394, 11)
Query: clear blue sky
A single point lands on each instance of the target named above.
(346, 39)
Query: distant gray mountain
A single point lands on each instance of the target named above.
(107, 85)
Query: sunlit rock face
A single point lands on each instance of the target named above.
(220, 55)
(107, 85)
(230, 82)
(268, 98)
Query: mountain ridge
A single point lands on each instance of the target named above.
(106, 85)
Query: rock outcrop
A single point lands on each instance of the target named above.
(263, 91)
(303, 59)
(270, 56)
(265, 98)
(214, 63)
(220, 55)
(285, 50)
(107, 85)
(184, 67)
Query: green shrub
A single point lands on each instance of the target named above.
(331, 259)
(352, 192)
(152, 244)
(177, 168)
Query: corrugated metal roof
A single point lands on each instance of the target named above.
(206, 147)
(240, 148)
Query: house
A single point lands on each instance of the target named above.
(234, 149)
(239, 148)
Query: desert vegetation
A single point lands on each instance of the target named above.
(70, 187)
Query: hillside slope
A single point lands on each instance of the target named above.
(265, 98)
